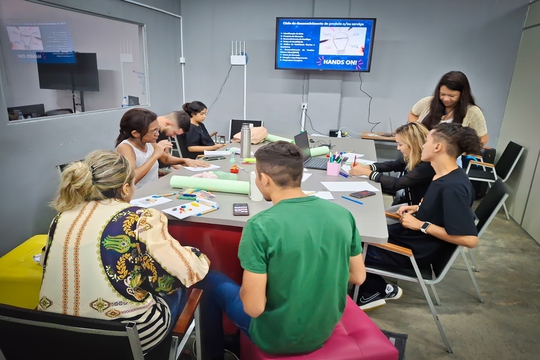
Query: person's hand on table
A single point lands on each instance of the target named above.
(359, 170)
(196, 163)
(218, 146)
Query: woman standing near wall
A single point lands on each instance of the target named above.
(452, 101)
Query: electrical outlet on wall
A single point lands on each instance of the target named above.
(304, 106)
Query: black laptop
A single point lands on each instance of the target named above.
(301, 140)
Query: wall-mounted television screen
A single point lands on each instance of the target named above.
(324, 44)
(81, 75)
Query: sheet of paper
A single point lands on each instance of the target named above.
(211, 167)
(149, 201)
(321, 194)
(217, 153)
(348, 186)
(194, 208)
(306, 176)
(365, 161)
(350, 157)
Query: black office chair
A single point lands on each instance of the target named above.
(435, 273)
(182, 144)
(59, 112)
(502, 169)
(28, 334)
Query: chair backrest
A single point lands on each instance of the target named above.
(236, 125)
(508, 160)
(28, 334)
(490, 205)
(181, 140)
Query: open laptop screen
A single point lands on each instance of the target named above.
(236, 125)
(301, 140)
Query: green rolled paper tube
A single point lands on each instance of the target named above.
(228, 186)
(274, 138)
(321, 150)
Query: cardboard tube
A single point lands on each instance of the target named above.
(321, 150)
(274, 138)
(228, 186)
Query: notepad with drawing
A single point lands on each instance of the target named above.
(193, 208)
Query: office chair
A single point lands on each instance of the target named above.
(435, 273)
(502, 169)
(28, 334)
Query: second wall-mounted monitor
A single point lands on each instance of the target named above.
(324, 44)
(60, 73)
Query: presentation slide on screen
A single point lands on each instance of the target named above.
(324, 44)
(29, 41)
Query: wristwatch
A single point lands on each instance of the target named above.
(424, 227)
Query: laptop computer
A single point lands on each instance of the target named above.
(301, 140)
(236, 125)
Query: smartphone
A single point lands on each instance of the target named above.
(240, 209)
(211, 158)
(362, 194)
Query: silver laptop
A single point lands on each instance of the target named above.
(301, 140)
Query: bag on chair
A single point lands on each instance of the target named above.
(258, 134)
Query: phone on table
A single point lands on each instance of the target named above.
(240, 209)
(212, 158)
(362, 194)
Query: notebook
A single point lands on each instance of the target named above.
(301, 140)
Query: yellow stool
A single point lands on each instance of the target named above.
(20, 275)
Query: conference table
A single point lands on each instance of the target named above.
(217, 234)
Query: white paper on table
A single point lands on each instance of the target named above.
(327, 195)
(149, 201)
(211, 167)
(364, 162)
(237, 151)
(348, 186)
(217, 153)
(305, 176)
(194, 208)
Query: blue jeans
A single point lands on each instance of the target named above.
(220, 294)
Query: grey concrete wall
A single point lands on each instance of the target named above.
(416, 41)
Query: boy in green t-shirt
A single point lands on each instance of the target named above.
(298, 257)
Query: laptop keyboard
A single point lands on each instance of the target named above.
(317, 162)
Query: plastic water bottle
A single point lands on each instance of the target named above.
(245, 147)
(21, 116)
(125, 102)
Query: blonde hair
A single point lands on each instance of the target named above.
(414, 135)
(99, 176)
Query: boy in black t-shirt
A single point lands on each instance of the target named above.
(443, 219)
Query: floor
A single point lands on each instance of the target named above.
(505, 326)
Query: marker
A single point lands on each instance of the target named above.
(354, 162)
(345, 175)
(163, 195)
(351, 199)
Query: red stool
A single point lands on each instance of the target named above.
(355, 337)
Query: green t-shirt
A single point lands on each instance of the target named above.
(303, 245)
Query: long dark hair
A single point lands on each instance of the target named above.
(193, 108)
(460, 139)
(457, 81)
(135, 119)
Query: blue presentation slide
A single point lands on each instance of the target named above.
(324, 44)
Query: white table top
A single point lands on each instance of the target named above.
(370, 218)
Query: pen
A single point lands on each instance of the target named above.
(169, 194)
(354, 162)
(241, 168)
(351, 199)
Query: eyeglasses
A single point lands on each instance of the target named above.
(156, 131)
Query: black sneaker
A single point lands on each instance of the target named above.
(392, 292)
